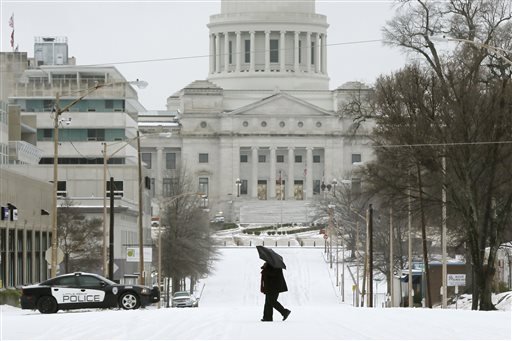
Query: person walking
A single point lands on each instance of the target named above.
(272, 283)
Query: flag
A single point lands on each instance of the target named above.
(11, 24)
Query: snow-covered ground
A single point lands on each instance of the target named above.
(231, 308)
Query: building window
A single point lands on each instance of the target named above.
(280, 158)
(47, 134)
(243, 187)
(118, 189)
(262, 158)
(166, 187)
(245, 123)
(282, 124)
(263, 123)
(247, 51)
(95, 134)
(316, 186)
(146, 158)
(170, 160)
(312, 52)
(356, 158)
(318, 124)
(356, 186)
(244, 158)
(300, 52)
(61, 189)
(230, 47)
(300, 124)
(203, 157)
(316, 158)
(298, 158)
(203, 186)
(274, 51)
(203, 124)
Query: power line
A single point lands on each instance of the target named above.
(441, 144)
(209, 55)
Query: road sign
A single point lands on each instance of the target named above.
(326, 236)
(455, 280)
(48, 255)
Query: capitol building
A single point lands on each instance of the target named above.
(263, 132)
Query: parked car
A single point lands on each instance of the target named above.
(182, 299)
(85, 290)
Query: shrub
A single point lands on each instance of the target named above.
(10, 297)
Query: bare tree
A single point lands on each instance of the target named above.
(463, 113)
(188, 249)
(79, 238)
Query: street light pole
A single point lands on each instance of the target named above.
(141, 230)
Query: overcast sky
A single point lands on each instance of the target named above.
(147, 39)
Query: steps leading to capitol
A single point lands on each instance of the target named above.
(275, 211)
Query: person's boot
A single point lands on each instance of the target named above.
(286, 314)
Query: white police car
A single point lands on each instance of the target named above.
(85, 290)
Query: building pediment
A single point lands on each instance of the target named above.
(281, 105)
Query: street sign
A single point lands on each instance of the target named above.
(326, 236)
(48, 255)
(132, 254)
(456, 280)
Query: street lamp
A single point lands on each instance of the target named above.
(499, 51)
(57, 112)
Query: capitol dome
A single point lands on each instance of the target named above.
(268, 44)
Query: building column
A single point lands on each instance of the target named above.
(328, 162)
(272, 187)
(217, 52)
(159, 171)
(282, 52)
(251, 67)
(254, 173)
(226, 51)
(238, 50)
(309, 174)
(308, 51)
(296, 54)
(324, 53)
(291, 167)
(318, 49)
(267, 51)
(212, 53)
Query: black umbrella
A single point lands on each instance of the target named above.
(274, 259)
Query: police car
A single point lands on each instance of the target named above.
(85, 290)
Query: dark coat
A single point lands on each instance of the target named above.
(272, 280)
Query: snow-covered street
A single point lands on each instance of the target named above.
(231, 308)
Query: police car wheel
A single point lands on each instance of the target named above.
(129, 300)
(47, 305)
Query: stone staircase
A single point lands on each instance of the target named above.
(274, 211)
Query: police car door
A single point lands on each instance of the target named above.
(66, 292)
(93, 289)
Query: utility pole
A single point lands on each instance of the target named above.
(111, 233)
(370, 256)
(391, 274)
(410, 289)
